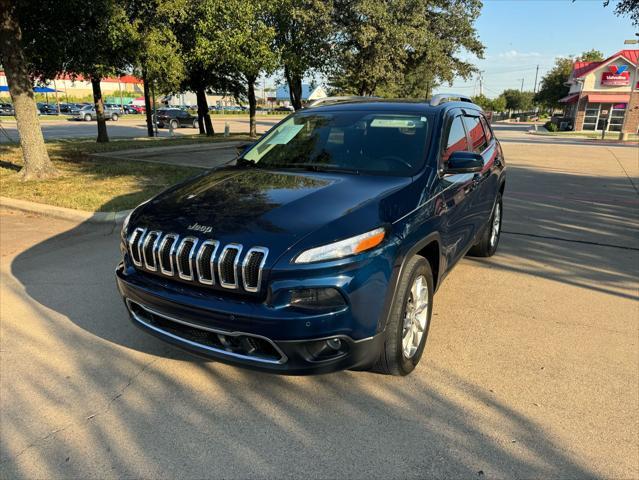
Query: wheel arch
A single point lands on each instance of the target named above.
(430, 248)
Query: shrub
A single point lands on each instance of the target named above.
(551, 127)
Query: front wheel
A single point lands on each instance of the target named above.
(174, 124)
(409, 320)
(114, 117)
(489, 240)
(87, 118)
(195, 124)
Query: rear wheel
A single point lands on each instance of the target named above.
(195, 124)
(174, 124)
(409, 320)
(114, 117)
(489, 240)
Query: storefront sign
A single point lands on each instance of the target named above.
(616, 75)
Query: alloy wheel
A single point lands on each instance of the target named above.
(415, 317)
(494, 233)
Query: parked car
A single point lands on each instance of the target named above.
(284, 108)
(321, 246)
(134, 109)
(88, 113)
(175, 117)
(6, 109)
(74, 108)
(114, 107)
(48, 108)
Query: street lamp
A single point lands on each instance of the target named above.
(634, 83)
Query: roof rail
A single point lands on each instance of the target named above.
(447, 97)
(329, 100)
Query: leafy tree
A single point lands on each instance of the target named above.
(253, 55)
(403, 47)
(157, 58)
(553, 85)
(208, 45)
(304, 39)
(483, 101)
(37, 164)
(516, 100)
(97, 41)
(499, 104)
(628, 8)
(592, 56)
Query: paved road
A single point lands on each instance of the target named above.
(531, 370)
(130, 128)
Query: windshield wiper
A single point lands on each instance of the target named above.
(318, 167)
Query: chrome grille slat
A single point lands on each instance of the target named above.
(153, 236)
(222, 265)
(198, 261)
(189, 257)
(135, 240)
(250, 280)
(169, 242)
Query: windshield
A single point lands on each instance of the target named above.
(355, 141)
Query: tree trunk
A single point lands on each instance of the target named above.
(203, 118)
(148, 111)
(103, 136)
(294, 88)
(37, 164)
(252, 106)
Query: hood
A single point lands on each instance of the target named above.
(261, 208)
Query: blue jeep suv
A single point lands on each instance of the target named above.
(320, 247)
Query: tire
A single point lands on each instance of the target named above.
(487, 245)
(195, 124)
(393, 359)
(114, 117)
(174, 124)
(88, 118)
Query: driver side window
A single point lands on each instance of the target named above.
(457, 139)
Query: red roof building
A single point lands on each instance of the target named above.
(604, 95)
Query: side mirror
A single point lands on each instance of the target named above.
(243, 147)
(464, 162)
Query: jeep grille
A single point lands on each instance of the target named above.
(201, 261)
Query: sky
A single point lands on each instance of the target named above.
(521, 34)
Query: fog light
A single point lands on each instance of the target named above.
(327, 349)
(317, 298)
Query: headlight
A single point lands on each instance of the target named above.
(343, 248)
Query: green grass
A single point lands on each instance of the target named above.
(96, 184)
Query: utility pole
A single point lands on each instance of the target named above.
(536, 73)
(522, 85)
(481, 83)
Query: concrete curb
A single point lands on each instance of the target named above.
(64, 213)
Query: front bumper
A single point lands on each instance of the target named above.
(240, 340)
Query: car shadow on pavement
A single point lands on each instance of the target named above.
(118, 402)
(583, 227)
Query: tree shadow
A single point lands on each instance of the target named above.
(118, 402)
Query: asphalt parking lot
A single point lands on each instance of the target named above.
(129, 127)
(531, 370)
